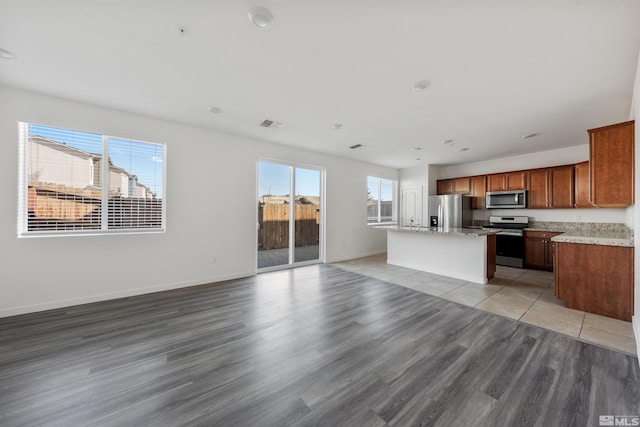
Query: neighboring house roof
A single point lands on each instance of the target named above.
(85, 155)
(62, 147)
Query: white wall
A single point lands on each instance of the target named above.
(211, 211)
(561, 156)
(434, 176)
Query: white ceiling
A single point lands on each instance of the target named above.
(497, 69)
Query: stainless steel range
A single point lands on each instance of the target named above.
(510, 239)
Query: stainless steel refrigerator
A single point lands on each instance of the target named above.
(450, 211)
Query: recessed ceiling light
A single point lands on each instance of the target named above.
(417, 148)
(462, 149)
(530, 135)
(353, 147)
(337, 126)
(182, 30)
(417, 158)
(421, 85)
(215, 110)
(260, 17)
(5, 54)
(447, 141)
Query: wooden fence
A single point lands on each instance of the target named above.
(51, 210)
(274, 225)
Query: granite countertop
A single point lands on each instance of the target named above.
(465, 232)
(591, 233)
(595, 237)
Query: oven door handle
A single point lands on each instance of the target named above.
(510, 233)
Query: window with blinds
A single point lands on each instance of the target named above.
(381, 200)
(75, 182)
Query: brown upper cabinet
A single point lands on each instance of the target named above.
(507, 181)
(445, 186)
(561, 185)
(611, 151)
(454, 186)
(538, 189)
(461, 185)
(582, 192)
(551, 187)
(479, 192)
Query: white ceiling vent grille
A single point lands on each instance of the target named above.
(266, 123)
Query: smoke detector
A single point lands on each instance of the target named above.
(260, 17)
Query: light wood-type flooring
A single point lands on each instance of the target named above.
(316, 345)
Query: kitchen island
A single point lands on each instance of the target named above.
(463, 253)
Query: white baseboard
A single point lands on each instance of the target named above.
(14, 311)
(364, 255)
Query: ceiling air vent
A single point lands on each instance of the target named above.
(353, 147)
(266, 123)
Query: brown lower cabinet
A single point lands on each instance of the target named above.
(595, 278)
(538, 249)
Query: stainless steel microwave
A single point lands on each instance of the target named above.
(512, 199)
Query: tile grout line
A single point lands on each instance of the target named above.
(584, 317)
(536, 300)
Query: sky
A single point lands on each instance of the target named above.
(273, 178)
(141, 159)
(386, 188)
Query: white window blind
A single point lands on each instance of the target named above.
(75, 182)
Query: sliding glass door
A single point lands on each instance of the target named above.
(289, 215)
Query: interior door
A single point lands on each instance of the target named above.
(411, 208)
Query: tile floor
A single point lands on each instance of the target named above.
(523, 295)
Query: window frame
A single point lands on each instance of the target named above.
(394, 201)
(23, 188)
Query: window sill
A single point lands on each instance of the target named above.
(36, 234)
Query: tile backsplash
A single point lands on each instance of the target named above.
(588, 227)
